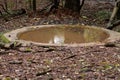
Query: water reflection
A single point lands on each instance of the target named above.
(59, 37)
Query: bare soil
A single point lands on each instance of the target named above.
(60, 63)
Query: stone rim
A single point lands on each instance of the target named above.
(12, 36)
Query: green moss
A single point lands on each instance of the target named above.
(3, 38)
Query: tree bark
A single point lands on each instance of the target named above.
(34, 5)
(73, 5)
(30, 4)
(118, 12)
(55, 5)
(6, 5)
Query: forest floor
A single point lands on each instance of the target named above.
(61, 63)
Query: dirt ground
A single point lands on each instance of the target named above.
(61, 63)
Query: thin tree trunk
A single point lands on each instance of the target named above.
(55, 5)
(115, 14)
(5, 3)
(34, 5)
(82, 3)
(16, 4)
(118, 12)
(30, 4)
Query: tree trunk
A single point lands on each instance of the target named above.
(6, 5)
(73, 5)
(30, 4)
(34, 5)
(55, 5)
(118, 12)
(16, 4)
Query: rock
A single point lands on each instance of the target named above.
(25, 44)
(22, 49)
(7, 46)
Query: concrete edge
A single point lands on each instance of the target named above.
(12, 36)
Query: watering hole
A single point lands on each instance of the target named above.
(64, 35)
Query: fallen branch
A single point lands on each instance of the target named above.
(71, 56)
(114, 25)
(43, 72)
(15, 62)
(4, 9)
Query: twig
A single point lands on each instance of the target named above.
(4, 52)
(43, 72)
(15, 62)
(71, 56)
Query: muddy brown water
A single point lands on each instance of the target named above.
(64, 35)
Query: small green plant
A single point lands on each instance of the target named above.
(103, 14)
(3, 38)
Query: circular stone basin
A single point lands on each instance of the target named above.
(63, 35)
